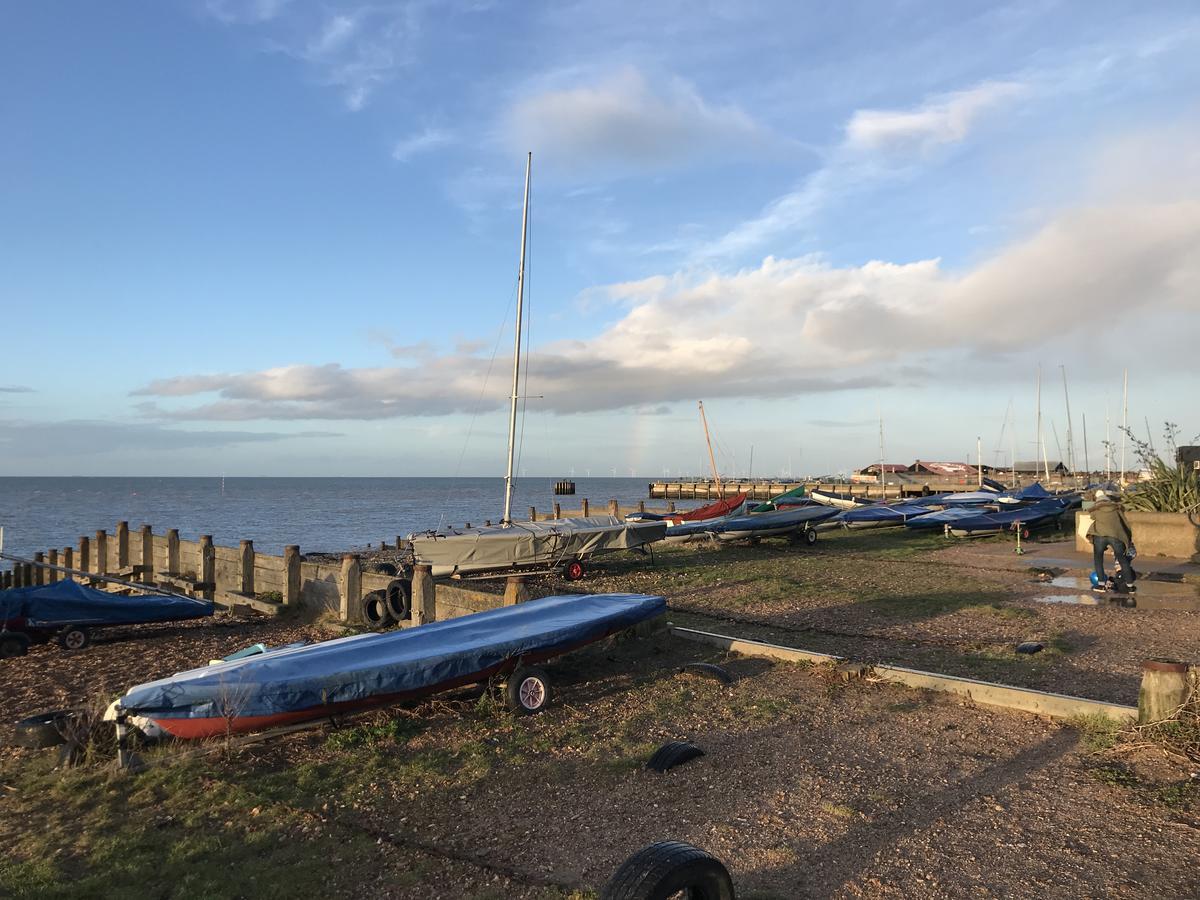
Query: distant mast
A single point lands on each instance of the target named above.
(1124, 424)
(711, 458)
(516, 382)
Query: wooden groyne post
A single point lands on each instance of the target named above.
(147, 535)
(424, 597)
(291, 575)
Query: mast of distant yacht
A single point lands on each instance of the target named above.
(516, 382)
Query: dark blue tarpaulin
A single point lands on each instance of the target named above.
(70, 603)
(366, 666)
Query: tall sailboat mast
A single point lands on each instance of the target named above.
(711, 458)
(516, 382)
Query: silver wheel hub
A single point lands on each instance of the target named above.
(532, 693)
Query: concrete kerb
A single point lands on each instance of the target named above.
(1058, 706)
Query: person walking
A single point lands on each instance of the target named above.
(1109, 529)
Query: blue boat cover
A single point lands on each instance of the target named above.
(941, 518)
(1032, 493)
(999, 521)
(893, 512)
(969, 498)
(372, 665)
(766, 521)
(70, 603)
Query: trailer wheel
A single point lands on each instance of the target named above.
(399, 599)
(527, 691)
(14, 643)
(43, 730)
(375, 610)
(575, 570)
(810, 536)
(669, 868)
(74, 637)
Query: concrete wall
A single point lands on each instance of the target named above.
(1154, 534)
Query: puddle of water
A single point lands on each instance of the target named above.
(1077, 599)
(1072, 582)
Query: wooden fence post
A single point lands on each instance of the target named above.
(291, 575)
(585, 507)
(515, 590)
(614, 508)
(84, 554)
(52, 558)
(532, 514)
(1164, 689)
(424, 595)
(122, 545)
(68, 561)
(39, 572)
(173, 551)
(671, 506)
(351, 593)
(147, 559)
(641, 506)
(557, 510)
(247, 567)
(101, 553)
(206, 567)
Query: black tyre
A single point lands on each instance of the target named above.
(74, 637)
(574, 570)
(709, 670)
(810, 536)
(668, 868)
(375, 610)
(398, 599)
(527, 691)
(385, 568)
(673, 754)
(47, 729)
(13, 643)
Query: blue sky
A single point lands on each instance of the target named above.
(273, 237)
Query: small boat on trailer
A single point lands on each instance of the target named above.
(880, 515)
(290, 685)
(700, 514)
(801, 519)
(530, 548)
(840, 500)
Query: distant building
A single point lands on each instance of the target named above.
(946, 469)
(1037, 467)
(871, 473)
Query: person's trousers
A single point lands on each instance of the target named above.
(1125, 574)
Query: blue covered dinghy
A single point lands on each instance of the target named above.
(50, 607)
(289, 685)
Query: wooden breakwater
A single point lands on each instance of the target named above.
(234, 577)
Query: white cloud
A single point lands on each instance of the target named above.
(623, 122)
(420, 142)
(937, 122)
(786, 328)
(354, 47)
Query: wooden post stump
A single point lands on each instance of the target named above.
(247, 567)
(557, 510)
(585, 507)
(671, 506)
(52, 558)
(147, 559)
(84, 554)
(532, 514)
(122, 545)
(516, 590)
(101, 553)
(206, 567)
(351, 610)
(614, 508)
(173, 551)
(291, 575)
(424, 595)
(39, 571)
(68, 560)
(641, 506)
(1164, 689)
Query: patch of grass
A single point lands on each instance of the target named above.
(1115, 776)
(395, 730)
(1181, 795)
(1098, 732)
(837, 810)
(1003, 611)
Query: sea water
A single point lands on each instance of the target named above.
(319, 514)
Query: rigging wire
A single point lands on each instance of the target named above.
(528, 339)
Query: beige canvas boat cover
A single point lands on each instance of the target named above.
(529, 544)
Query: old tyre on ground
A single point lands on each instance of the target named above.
(708, 670)
(13, 643)
(398, 599)
(74, 637)
(575, 570)
(527, 691)
(375, 610)
(672, 754)
(667, 869)
(385, 568)
(46, 729)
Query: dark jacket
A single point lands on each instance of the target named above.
(1107, 521)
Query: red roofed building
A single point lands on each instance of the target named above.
(945, 469)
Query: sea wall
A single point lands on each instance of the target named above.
(1154, 534)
